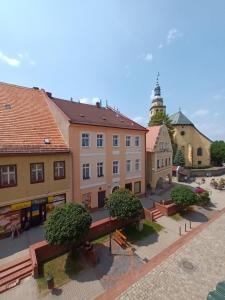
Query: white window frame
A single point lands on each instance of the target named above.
(100, 165)
(137, 138)
(128, 163)
(101, 139)
(128, 138)
(137, 164)
(118, 167)
(8, 174)
(39, 167)
(118, 140)
(86, 168)
(87, 137)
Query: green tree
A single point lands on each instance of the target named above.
(160, 118)
(179, 158)
(217, 150)
(67, 225)
(124, 205)
(183, 196)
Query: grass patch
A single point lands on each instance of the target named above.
(135, 235)
(62, 268)
(176, 217)
(101, 240)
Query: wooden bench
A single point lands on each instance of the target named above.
(121, 239)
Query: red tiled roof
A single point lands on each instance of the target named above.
(25, 121)
(151, 137)
(80, 113)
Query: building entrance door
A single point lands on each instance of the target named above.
(101, 199)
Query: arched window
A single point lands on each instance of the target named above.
(199, 151)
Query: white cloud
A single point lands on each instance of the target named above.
(148, 57)
(138, 119)
(12, 62)
(160, 46)
(213, 130)
(200, 113)
(173, 35)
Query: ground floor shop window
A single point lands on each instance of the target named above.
(54, 201)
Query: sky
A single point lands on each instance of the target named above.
(113, 49)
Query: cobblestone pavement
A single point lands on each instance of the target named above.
(190, 273)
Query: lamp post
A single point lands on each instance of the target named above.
(110, 233)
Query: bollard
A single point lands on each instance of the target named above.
(190, 224)
(180, 230)
(185, 227)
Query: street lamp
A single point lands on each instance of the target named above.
(110, 233)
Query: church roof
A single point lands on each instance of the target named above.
(180, 119)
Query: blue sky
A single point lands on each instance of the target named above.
(113, 49)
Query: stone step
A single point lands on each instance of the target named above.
(158, 215)
(22, 273)
(15, 268)
(14, 263)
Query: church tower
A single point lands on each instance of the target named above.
(157, 100)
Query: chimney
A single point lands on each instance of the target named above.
(98, 104)
(49, 94)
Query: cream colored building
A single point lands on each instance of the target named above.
(193, 143)
(159, 158)
(35, 163)
(108, 150)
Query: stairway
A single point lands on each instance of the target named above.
(155, 213)
(11, 273)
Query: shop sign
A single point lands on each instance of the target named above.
(21, 205)
(50, 199)
(39, 201)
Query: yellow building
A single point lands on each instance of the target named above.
(34, 159)
(194, 144)
(159, 158)
(108, 150)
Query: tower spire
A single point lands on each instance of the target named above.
(157, 89)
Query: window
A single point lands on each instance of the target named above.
(128, 141)
(158, 166)
(59, 170)
(128, 166)
(137, 141)
(199, 162)
(166, 161)
(199, 151)
(115, 167)
(85, 140)
(115, 141)
(86, 171)
(37, 172)
(182, 132)
(169, 161)
(99, 140)
(137, 164)
(162, 163)
(137, 187)
(100, 169)
(161, 146)
(8, 176)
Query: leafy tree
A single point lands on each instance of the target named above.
(218, 152)
(160, 118)
(67, 225)
(124, 205)
(183, 196)
(179, 158)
